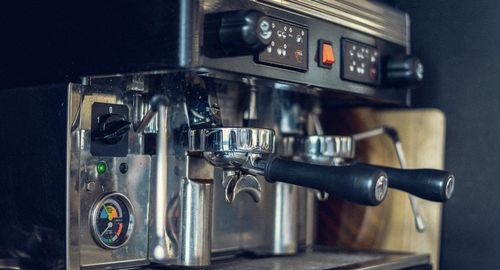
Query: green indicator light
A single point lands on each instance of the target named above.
(101, 167)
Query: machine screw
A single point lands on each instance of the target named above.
(90, 186)
(123, 168)
(381, 188)
(450, 186)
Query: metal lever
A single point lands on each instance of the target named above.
(419, 221)
(159, 106)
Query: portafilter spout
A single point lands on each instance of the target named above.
(249, 150)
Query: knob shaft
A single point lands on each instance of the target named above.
(404, 71)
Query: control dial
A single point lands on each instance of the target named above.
(112, 127)
(404, 71)
(237, 33)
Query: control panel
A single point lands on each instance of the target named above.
(288, 47)
(360, 62)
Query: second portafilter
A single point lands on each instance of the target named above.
(429, 184)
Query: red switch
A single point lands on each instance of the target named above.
(326, 55)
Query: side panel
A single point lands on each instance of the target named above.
(33, 125)
(110, 188)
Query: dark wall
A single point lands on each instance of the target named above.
(459, 44)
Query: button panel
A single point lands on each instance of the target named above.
(288, 46)
(360, 62)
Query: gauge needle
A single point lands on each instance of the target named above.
(110, 224)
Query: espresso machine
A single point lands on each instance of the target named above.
(192, 137)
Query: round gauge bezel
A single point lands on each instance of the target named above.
(94, 215)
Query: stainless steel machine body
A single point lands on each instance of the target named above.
(180, 154)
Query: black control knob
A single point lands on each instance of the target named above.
(237, 33)
(404, 70)
(112, 127)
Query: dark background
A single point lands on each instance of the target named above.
(458, 42)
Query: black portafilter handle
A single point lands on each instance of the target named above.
(356, 183)
(429, 184)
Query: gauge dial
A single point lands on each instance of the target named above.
(112, 221)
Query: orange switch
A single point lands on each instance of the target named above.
(327, 56)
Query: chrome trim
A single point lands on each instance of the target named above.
(399, 263)
(72, 180)
(408, 33)
(286, 223)
(381, 187)
(231, 147)
(195, 211)
(246, 140)
(161, 181)
(450, 186)
(365, 16)
(95, 212)
(321, 147)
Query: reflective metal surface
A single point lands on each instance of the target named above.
(328, 148)
(235, 183)
(133, 184)
(286, 223)
(365, 16)
(229, 147)
(187, 212)
(332, 259)
(195, 222)
(246, 140)
(450, 186)
(274, 219)
(381, 187)
(161, 180)
(95, 216)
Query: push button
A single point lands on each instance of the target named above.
(325, 52)
(327, 56)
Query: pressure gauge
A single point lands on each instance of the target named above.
(112, 221)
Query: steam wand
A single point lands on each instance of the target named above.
(393, 134)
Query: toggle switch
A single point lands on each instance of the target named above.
(325, 52)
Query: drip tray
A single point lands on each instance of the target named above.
(328, 259)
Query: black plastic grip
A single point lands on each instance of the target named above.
(358, 184)
(429, 184)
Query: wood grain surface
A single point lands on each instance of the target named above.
(389, 226)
